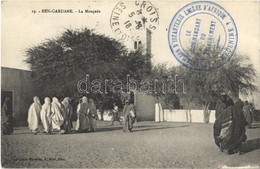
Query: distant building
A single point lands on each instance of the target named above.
(144, 103)
(18, 86)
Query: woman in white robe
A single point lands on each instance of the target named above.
(34, 115)
(46, 115)
(77, 122)
(56, 116)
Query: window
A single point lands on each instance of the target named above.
(135, 45)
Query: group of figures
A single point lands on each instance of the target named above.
(232, 117)
(57, 116)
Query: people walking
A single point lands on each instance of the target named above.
(115, 114)
(229, 127)
(77, 122)
(66, 110)
(129, 116)
(83, 115)
(92, 116)
(46, 115)
(220, 106)
(57, 118)
(34, 115)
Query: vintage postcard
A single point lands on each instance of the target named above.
(130, 84)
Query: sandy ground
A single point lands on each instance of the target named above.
(151, 145)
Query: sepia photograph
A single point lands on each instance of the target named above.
(130, 84)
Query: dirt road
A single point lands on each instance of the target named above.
(151, 145)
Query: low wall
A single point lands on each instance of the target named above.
(195, 116)
(108, 116)
(170, 115)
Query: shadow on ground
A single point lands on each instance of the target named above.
(146, 128)
(137, 128)
(251, 145)
(109, 128)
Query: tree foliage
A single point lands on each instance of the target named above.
(204, 87)
(235, 77)
(164, 90)
(59, 63)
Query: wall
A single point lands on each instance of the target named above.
(195, 116)
(169, 115)
(144, 105)
(20, 83)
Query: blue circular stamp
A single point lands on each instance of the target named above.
(202, 36)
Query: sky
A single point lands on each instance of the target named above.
(22, 29)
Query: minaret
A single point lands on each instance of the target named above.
(148, 42)
(143, 40)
